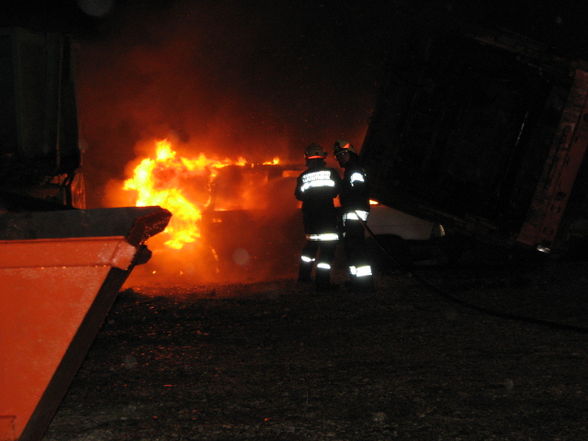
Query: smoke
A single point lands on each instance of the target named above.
(227, 78)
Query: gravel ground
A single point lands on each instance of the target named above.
(276, 361)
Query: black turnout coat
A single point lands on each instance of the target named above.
(316, 187)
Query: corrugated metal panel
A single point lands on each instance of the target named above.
(38, 112)
(463, 130)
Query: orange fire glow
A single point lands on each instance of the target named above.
(181, 185)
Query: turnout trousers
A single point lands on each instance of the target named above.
(360, 269)
(318, 254)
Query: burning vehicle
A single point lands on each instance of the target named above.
(234, 220)
(260, 230)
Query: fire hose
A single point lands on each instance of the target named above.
(448, 297)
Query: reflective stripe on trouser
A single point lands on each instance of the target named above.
(323, 274)
(360, 271)
(320, 252)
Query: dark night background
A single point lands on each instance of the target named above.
(255, 79)
(273, 361)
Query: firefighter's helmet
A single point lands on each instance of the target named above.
(343, 146)
(315, 151)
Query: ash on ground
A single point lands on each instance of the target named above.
(487, 353)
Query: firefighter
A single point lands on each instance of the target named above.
(316, 187)
(355, 207)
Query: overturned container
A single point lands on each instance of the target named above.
(485, 132)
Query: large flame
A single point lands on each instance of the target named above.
(181, 185)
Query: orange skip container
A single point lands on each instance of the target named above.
(60, 272)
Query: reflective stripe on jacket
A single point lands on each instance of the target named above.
(355, 190)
